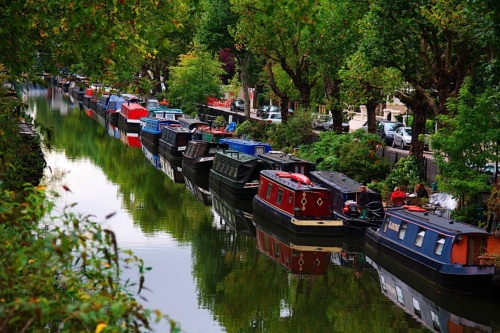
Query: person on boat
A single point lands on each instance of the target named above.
(363, 201)
(398, 197)
(420, 191)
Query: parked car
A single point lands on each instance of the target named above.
(237, 105)
(272, 117)
(271, 108)
(328, 126)
(319, 120)
(402, 138)
(385, 129)
(262, 110)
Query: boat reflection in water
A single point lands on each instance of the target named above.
(172, 168)
(154, 159)
(297, 253)
(130, 139)
(437, 310)
(112, 130)
(233, 213)
(197, 184)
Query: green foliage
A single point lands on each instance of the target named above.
(295, 132)
(353, 154)
(406, 173)
(468, 139)
(194, 80)
(65, 273)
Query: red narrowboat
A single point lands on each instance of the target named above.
(130, 117)
(292, 201)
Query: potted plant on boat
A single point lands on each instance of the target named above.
(220, 123)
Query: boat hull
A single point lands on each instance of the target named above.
(262, 210)
(476, 280)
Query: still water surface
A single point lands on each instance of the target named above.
(208, 272)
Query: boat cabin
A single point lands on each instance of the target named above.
(288, 162)
(294, 194)
(164, 112)
(247, 146)
(439, 238)
(193, 124)
(133, 112)
(345, 191)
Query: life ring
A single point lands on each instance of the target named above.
(415, 208)
(300, 178)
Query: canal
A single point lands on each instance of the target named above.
(209, 270)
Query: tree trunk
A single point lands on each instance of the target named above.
(243, 60)
(371, 107)
(332, 94)
(284, 99)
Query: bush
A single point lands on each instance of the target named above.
(406, 173)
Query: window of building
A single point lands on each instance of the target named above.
(402, 230)
(420, 238)
(438, 248)
(416, 308)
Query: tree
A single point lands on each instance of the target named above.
(279, 33)
(467, 141)
(194, 80)
(434, 44)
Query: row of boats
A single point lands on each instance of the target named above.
(288, 193)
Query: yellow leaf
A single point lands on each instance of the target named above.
(100, 327)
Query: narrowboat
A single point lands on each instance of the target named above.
(247, 146)
(233, 214)
(163, 113)
(199, 156)
(113, 108)
(102, 104)
(438, 248)
(291, 201)
(288, 162)
(151, 132)
(297, 253)
(151, 157)
(344, 192)
(236, 174)
(89, 94)
(172, 168)
(194, 125)
(130, 115)
(438, 311)
(197, 184)
(215, 135)
(173, 141)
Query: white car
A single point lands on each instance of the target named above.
(272, 117)
(402, 138)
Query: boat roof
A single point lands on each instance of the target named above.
(233, 154)
(116, 98)
(164, 109)
(430, 219)
(190, 121)
(245, 142)
(336, 180)
(288, 182)
(280, 157)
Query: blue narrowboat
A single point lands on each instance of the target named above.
(152, 157)
(114, 107)
(150, 134)
(173, 141)
(291, 201)
(102, 104)
(236, 174)
(162, 112)
(436, 247)
(247, 146)
(344, 192)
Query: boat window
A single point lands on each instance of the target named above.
(420, 237)
(280, 196)
(259, 150)
(416, 308)
(399, 293)
(290, 198)
(269, 189)
(302, 170)
(382, 282)
(296, 170)
(438, 248)
(402, 230)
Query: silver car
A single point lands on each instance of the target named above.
(402, 138)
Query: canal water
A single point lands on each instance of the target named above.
(210, 271)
